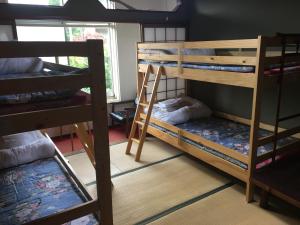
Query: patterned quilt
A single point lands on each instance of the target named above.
(224, 132)
(36, 190)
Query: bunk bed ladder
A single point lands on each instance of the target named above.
(86, 140)
(140, 108)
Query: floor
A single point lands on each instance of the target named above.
(65, 145)
(170, 187)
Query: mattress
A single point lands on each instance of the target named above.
(273, 70)
(36, 190)
(41, 95)
(224, 132)
(80, 98)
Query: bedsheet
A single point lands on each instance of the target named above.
(224, 132)
(36, 190)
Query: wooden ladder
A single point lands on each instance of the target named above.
(86, 140)
(140, 107)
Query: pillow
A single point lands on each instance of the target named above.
(199, 51)
(180, 110)
(20, 65)
(23, 148)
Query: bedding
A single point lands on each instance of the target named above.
(36, 190)
(273, 70)
(80, 98)
(31, 67)
(20, 65)
(224, 132)
(18, 149)
(180, 110)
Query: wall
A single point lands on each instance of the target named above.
(6, 33)
(127, 37)
(233, 19)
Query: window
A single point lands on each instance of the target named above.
(76, 31)
(39, 2)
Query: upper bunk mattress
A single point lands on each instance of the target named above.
(227, 133)
(80, 98)
(273, 70)
(36, 190)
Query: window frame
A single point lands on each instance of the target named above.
(111, 27)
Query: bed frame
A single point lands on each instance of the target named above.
(94, 111)
(251, 52)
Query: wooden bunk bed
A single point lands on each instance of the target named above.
(250, 68)
(75, 110)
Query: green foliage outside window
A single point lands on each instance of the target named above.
(78, 34)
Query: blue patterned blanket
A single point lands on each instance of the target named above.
(36, 190)
(224, 132)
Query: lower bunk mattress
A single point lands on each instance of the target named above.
(36, 190)
(225, 132)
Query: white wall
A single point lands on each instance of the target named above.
(6, 33)
(155, 5)
(127, 37)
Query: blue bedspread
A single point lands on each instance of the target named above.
(228, 68)
(227, 133)
(36, 190)
(40, 96)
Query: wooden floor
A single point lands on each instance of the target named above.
(168, 187)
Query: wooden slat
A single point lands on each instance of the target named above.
(222, 44)
(221, 77)
(277, 193)
(277, 41)
(245, 121)
(36, 120)
(86, 141)
(292, 147)
(198, 139)
(280, 135)
(42, 49)
(156, 45)
(290, 57)
(43, 83)
(215, 161)
(230, 60)
(68, 214)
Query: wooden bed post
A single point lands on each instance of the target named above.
(100, 126)
(255, 116)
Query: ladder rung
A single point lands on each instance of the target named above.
(146, 86)
(144, 104)
(140, 122)
(135, 140)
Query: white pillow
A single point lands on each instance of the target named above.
(23, 148)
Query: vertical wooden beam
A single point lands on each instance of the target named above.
(255, 117)
(100, 126)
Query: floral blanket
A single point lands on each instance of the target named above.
(36, 190)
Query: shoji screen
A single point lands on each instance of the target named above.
(168, 87)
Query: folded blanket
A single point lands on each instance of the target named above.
(20, 65)
(180, 110)
(23, 148)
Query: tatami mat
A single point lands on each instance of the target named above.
(144, 193)
(153, 151)
(227, 207)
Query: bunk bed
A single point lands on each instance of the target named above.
(39, 186)
(230, 143)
